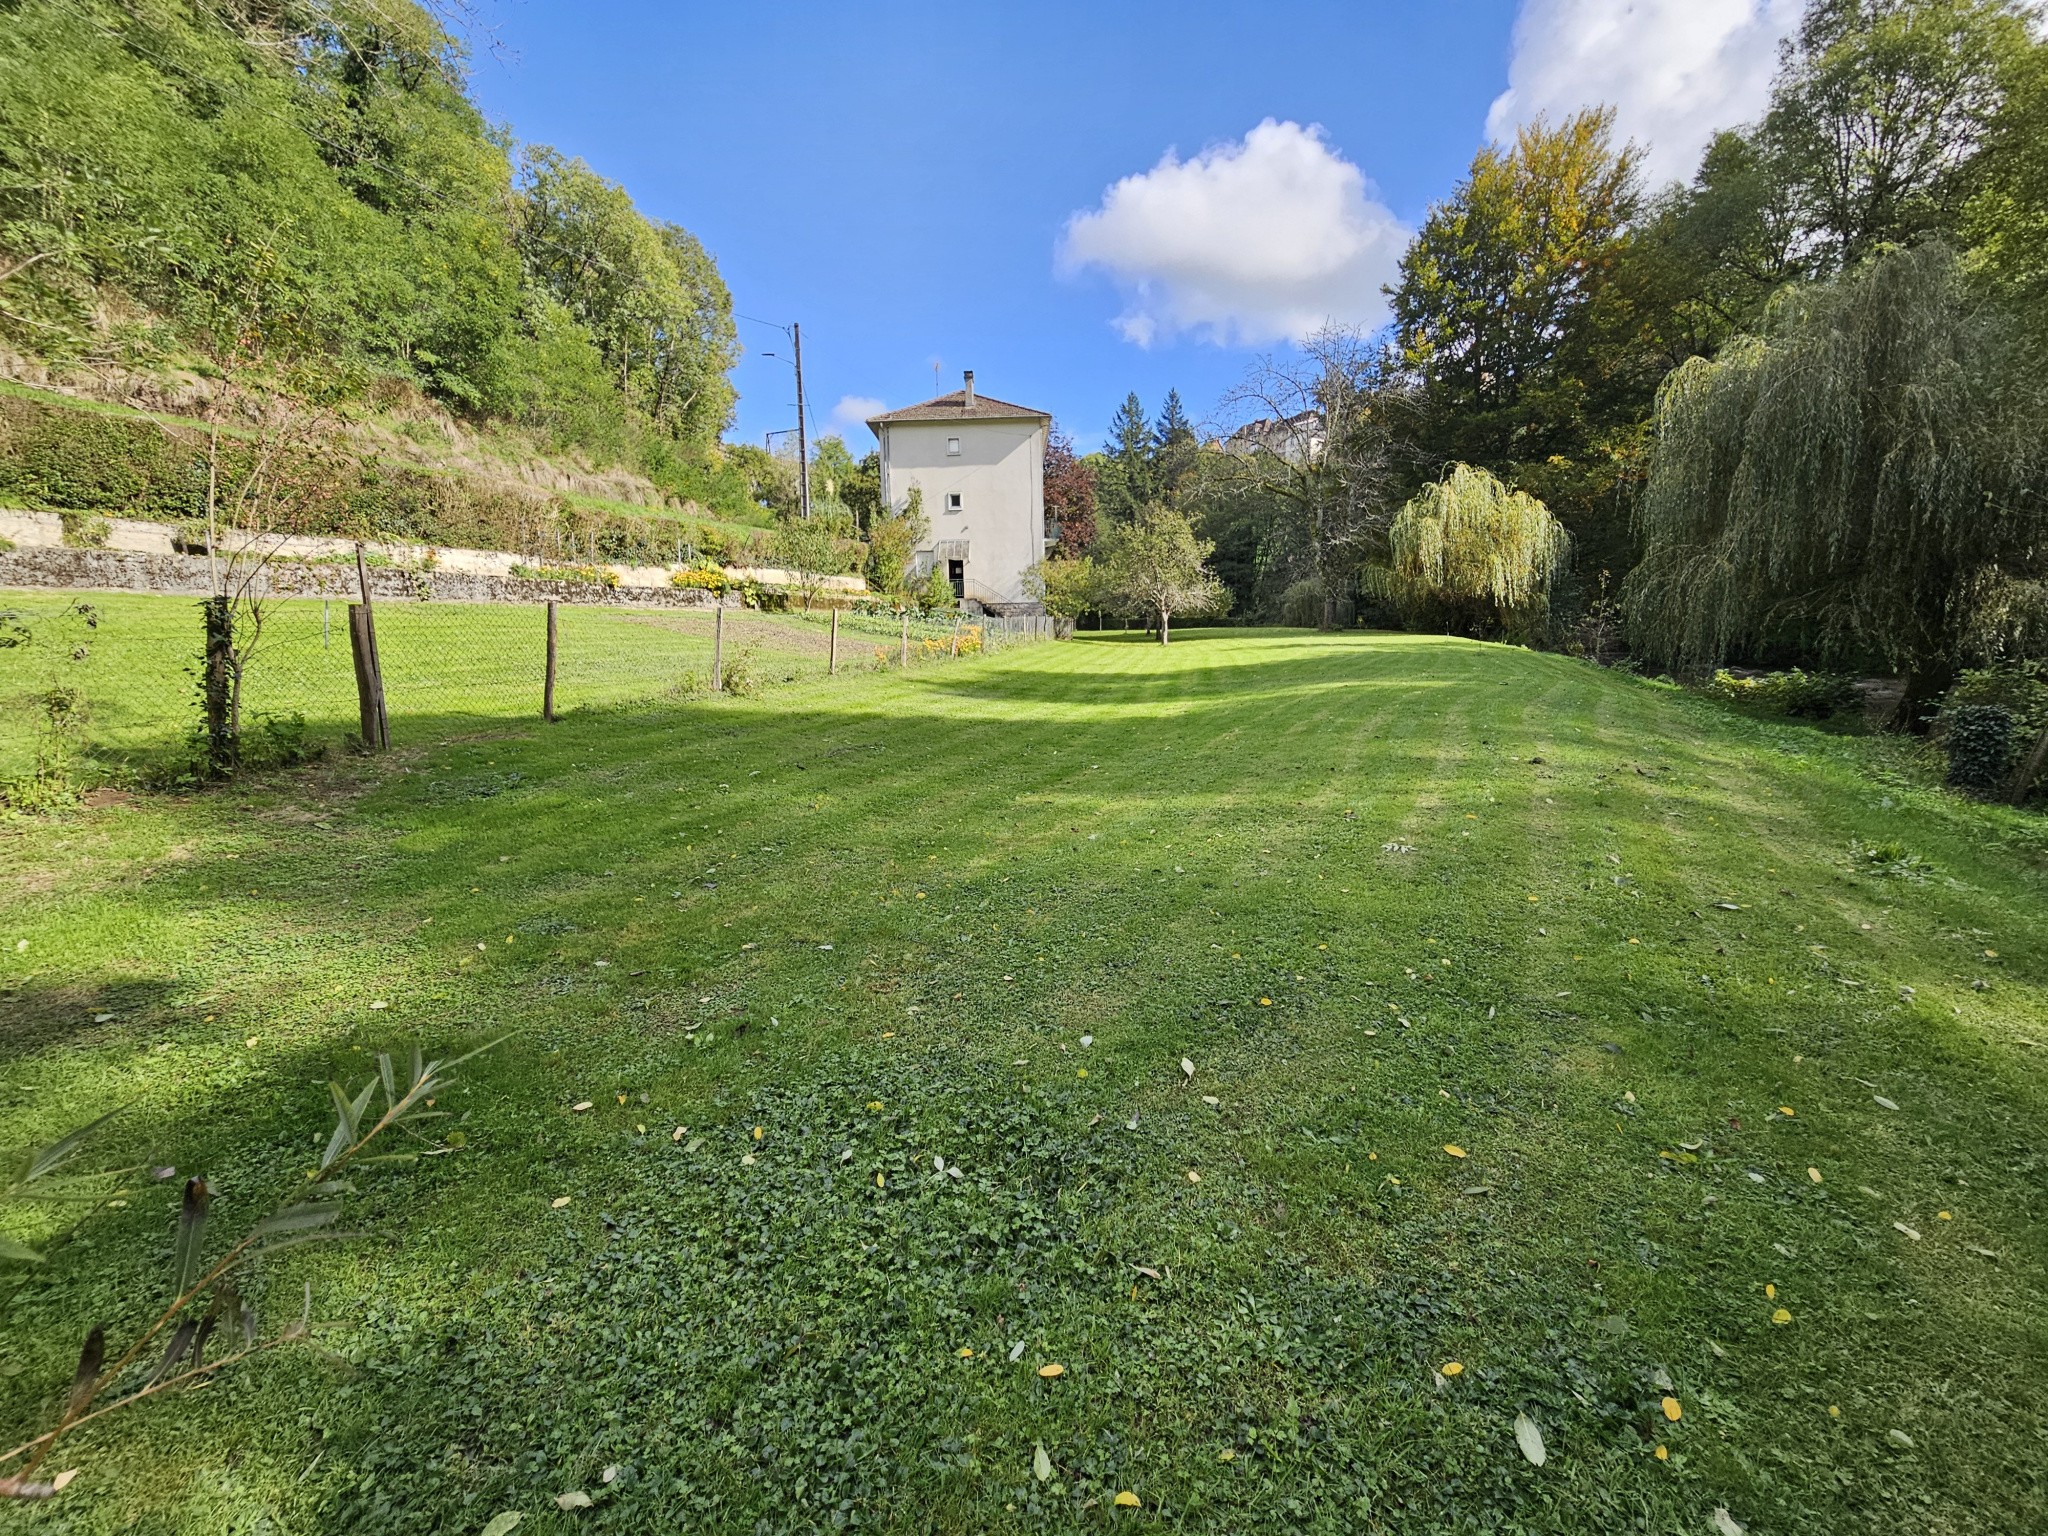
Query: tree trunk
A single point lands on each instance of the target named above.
(218, 688)
(2030, 769)
(1925, 684)
(1165, 626)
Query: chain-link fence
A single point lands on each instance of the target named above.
(116, 677)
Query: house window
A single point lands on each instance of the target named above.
(952, 501)
(952, 447)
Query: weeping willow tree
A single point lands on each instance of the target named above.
(1859, 484)
(1476, 556)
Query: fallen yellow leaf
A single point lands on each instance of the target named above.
(1452, 1368)
(577, 1109)
(1781, 1316)
(1671, 1409)
(1770, 1293)
(966, 1354)
(1663, 1453)
(1050, 1371)
(1785, 1110)
(1943, 1216)
(1453, 1150)
(757, 1133)
(560, 1201)
(1813, 1174)
(1125, 1500)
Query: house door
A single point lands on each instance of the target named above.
(956, 573)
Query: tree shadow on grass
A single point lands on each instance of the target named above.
(47, 1011)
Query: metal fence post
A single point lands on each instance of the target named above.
(834, 665)
(547, 689)
(718, 648)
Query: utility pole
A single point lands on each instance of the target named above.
(803, 442)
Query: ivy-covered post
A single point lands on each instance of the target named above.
(216, 685)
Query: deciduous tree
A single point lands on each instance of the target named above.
(1470, 550)
(1157, 565)
(1861, 480)
(1314, 456)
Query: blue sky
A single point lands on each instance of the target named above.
(903, 177)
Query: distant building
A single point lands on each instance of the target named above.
(981, 466)
(1297, 438)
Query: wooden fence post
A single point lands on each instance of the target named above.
(362, 647)
(369, 666)
(547, 688)
(718, 648)
(903, 655)
(834, 672)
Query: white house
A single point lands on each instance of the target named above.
(981, 466)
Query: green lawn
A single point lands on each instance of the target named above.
(1387, 895)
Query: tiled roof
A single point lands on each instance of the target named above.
(954, 407)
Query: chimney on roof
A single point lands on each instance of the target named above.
(967, 397)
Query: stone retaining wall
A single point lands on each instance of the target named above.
(118, 570)
(45, 530)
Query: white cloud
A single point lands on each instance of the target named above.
(851, 414)
(1256, 240)
(1675, 71)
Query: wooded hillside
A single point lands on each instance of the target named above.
(302, 192)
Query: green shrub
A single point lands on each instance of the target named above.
(2022, 691)
(279, 741)
(1981, 741)
(1807, 695)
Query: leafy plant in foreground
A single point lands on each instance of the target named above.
(207, 1304)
